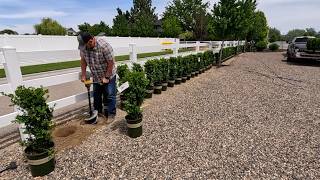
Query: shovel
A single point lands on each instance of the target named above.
(93, 114)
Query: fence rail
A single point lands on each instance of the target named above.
(13, 60)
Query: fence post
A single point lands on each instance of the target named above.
(198, 46)
(176, 47)
(210, 45)
(133, 52)
(13, 75)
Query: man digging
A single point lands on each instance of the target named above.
(98, 55)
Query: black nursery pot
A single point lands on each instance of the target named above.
(189, 76)
(134, 126)
(184, 79)
(158, 88)
(193, 74)
(41, 163)
(149, 92)
(164, 86)
(171, 83)
(178, 80)
(197, 73)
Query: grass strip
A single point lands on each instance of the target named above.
(76, 63)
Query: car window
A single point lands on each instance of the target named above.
(301, 40)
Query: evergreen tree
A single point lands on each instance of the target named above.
(121, 24)
(142, 18)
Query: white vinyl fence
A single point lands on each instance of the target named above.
(11, 59)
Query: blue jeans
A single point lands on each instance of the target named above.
(109, 92)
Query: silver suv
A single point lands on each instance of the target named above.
(298, 49)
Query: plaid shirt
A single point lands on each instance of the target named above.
(97, 59)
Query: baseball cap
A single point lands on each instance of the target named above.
(83, 39)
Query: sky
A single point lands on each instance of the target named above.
(21, 15)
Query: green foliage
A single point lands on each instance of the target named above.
(222, 23)
(310, 32)
(95, 29)
(274, 35)
(294, 33)
(313, 44)
(49, 26)
(164, 69)
(195, 63)
(191, 15)
(36, 115)
(179, 67)
(122, 71)
(135, 94)
(186, 36)
(188, 64)
(171, 27)
(227, 52)
(261, 45)
(142, 19)
(157, 72)
(149, 70)
(273, 47)
(172, 68)
(8, 31)
(121, 24)
(137, 67)
(259, 29)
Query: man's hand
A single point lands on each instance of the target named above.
(83, 78)
(105, 80)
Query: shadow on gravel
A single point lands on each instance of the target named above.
(306, 62)
(120, 125)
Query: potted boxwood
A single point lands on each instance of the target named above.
(36, 116)
(149, 71)
(137, 67)
(172, 71)
(189, 66)
(157, 77)
(122, 70)
(184, 64)
(196, 61)
(134, 98)
(179, 70)
(165, 73)
(193, 66)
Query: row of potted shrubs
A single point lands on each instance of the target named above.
(154, 77)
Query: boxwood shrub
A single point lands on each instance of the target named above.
(313, 44)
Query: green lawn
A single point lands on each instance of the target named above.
(76, 63)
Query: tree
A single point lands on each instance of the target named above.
(244, 18)
(49, 26)
(294, 33)
(8, 31)
(191, 15)
(223, 21)
(259, 29)
(201, 24)
(121, 25)
(95, 29)
(85, 27)
(171, 27)
(274, 35)
(142, 18)
(310, 32)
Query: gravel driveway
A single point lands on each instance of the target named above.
(255, 118)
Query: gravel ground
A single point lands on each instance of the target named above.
(256, 118)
